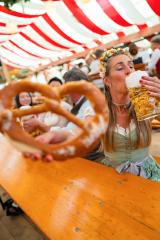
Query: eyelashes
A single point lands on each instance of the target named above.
(122, 67)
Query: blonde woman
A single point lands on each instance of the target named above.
(127, 140)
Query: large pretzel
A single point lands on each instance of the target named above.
(85, 139)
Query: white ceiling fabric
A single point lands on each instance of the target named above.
(46, 32)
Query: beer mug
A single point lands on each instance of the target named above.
(145, 106)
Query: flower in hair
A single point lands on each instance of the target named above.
(107, 55)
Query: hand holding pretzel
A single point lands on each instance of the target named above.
(81, 143)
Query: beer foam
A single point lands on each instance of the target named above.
(133, 80)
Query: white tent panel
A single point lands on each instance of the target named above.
(73, 30)
(49, 31)
(65, 15)
(32, 48)
(143, 8)
(69, 26)
(98, 16)
(17, 59)
(16, 50)
(38, 39)
(128, 11)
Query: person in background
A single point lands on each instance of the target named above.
(83, 66)
(138, 55)
(133, 49)
(154, 64)
(95, 64)
(45, 121)
(23, 99)
(51, 119)
(81, 108)
(55, 82)
(126, 143)
(94, 68)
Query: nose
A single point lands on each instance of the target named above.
(128, 70)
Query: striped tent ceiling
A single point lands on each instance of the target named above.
(37, 33)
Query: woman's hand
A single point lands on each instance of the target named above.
(31, 124)
(37, 156)
(152, 84)
(45, 138)
(53, 137)
(48, 138)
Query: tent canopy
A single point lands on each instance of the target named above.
(39, 33)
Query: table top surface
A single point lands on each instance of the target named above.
(79, 199)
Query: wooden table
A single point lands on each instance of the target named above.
(81, 200)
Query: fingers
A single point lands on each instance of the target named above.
(150, 78)
(152, 84)
(48, 158)
(46, 138)
(152, 94)
(27, 154)
(37, 156)
(150, 81)
(33, 156)
(42, 139)
(27, 126)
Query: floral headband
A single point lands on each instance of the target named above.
(107, 55)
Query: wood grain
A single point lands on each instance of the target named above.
(82, 200)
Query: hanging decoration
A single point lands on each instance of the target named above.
(9, 3)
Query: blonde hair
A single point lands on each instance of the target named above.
(143, 128)
(107, 55)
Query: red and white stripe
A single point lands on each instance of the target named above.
(71, 26)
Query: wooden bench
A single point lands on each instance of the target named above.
(81, 200)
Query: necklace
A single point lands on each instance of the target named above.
(120, 106)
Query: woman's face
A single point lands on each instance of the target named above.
(24, 99)
(120, 67)
(55, 84)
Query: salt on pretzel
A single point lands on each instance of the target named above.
(80, 144)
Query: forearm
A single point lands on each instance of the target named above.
(44, 127)
(56, 136)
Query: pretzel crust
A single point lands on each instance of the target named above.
(85, 139)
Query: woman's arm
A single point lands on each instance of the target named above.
(54, 137)
(31, 124)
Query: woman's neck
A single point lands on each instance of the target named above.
(121, 105)
(120, 99)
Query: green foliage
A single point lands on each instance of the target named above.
(9, 3)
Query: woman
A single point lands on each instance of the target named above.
(23, 99)
(126, 141)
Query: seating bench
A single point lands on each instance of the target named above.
(81, 200)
